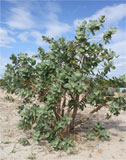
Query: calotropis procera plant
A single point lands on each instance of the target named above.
(67, 78)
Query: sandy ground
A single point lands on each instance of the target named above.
(10, 149)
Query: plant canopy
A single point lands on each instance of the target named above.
(65, 79)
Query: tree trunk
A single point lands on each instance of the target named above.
(72, 124)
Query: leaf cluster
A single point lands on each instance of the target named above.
(99, 131)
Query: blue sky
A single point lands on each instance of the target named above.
(23, 22)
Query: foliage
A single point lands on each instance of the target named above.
(9, 98)
(99, 131)
(2, 83)
(124, 91)
(23, 141)
(69, 76)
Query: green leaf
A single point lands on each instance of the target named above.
(96, 91)
(36, 136)
(23, 141)
(78, 74)
(89, 135)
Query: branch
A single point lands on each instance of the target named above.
(58, 116)
(72, 124)
(90, 114)
(63, 106)
(96, 109)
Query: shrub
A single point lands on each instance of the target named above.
(67, 78)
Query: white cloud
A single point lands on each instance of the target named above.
(34, 34)
(122, 57)
(20, 18)
(113, 14)
(120, 62)
(38, 37)
(53, 26)
(119, 47)
(23, 36)
(119, 71)
(56, 28)
(5, 38)
(52, 7)
(119, 36)
(123, 64)
(3, 61)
